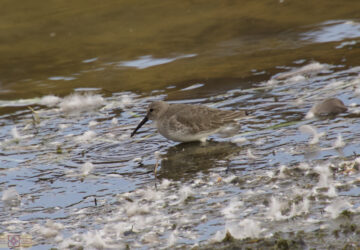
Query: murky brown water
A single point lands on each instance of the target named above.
(274, 58)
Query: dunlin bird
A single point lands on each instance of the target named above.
(330, 106)
(186, 122)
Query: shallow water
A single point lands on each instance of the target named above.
(71, 176)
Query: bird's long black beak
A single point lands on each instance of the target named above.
(139, 126)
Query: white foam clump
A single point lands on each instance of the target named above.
(63, 126)
(172, 238)
(250, 155)
(185, 192)
(238, 139)
(134, 208)
(165, 183)
(86, 168)
(151, 194)
(229, 178)
(15, 134)
(282, 172)
(218, 237)
(274, 212)
(309, 69)
(49, 230)
(296, 79)
(50, 100)
(310, 114)
(114, 121)
(325, 180)
(339, 143)
(95, 240)
(87, 136)
(92, 124)
(299, 209)
(78, 103)
(353, 105)
(125, 101)
(312, 131)
(123, 137)
(10, 195)
(137, 159)
(231, 210)
(247, 228)
(335, 208)
(304, 166)
(324, 175)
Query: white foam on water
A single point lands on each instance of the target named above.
(77, 103)
(218, 236)
(353, 104)
(229, 178)
(324, 172)
(194, 86)
(272, 81)
(165, 183)
(310, 69)
(150, 238)
(310, 115)
(151, 195)
(184, 193)
(114, 121)
(92, 124)
(95, 240)
(282, 171)
(87, 168)
(274, 210)
(270, 174)
(332, 191)
(250, 155)
(134, 208)
(15, 134)
(339, 142)
(247, 228)
(10, 195)
(63, 126)
(172, 239)
(232, 209)
(238, 139)
(337, 207)
(303, 166)
(126, 101)
(335, 85)
(296, 79)
(110, 135)
(50, 100)
(87, 136)
(123, 137)
(137, 159)
(312, 131)
(44, 231)
(300, 208)
(50, 229)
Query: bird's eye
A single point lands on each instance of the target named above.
(151, 110)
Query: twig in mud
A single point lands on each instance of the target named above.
(35, 116)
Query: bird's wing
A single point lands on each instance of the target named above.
(203, 119)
